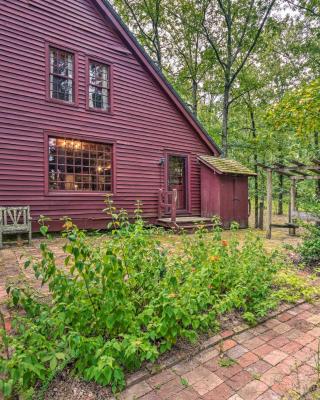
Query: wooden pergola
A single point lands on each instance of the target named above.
(296, 172)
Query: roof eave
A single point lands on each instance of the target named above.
(210, 166)
(218, 171)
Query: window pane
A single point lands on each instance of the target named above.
(61, 63)
(61, 75)
(98, 86)
(98, 97)
(61, 88)
(79, 165)
(98, 74)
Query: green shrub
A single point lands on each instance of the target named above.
(126, 300)
(310, 247)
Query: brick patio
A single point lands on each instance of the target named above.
(12, 259)
(275, 360)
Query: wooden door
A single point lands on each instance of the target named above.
(177, 166)
(240, 200)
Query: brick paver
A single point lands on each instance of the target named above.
(269, 361)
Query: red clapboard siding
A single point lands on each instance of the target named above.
(145, 124)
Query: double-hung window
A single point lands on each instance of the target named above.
(61, 75)
(99, 86)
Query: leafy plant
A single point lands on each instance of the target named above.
(124, 300)
(310, 247)
(226, 362)
(184, 382)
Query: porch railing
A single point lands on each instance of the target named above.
(168, 204)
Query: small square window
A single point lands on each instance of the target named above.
(99, 86)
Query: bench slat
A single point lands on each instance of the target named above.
(15, 220)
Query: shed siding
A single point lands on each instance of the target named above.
(145, 123)
(210, 192)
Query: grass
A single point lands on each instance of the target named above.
(173, 242)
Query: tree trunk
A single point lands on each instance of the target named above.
(256, 193)
(316, 145)
(158, 50)
(256, 182)
(194, 97)
(280, 197)
(225, 119)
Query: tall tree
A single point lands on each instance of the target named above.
(187, 48)
(146, 19)
(233, 29)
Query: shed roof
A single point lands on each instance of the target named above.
(225, 165)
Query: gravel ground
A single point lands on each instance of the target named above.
(67, 387)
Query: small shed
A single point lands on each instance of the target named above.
(224, 190)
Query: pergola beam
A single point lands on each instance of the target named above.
(300, 169)
(308, 177)
(300, 164)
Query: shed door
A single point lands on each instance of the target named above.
(240, 200)
(177, 166)
(236, 199)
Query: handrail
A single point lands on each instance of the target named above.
(168, 205)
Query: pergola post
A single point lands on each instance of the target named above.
(292, 231)
(269, 203)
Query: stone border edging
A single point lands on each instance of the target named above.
(211, 342)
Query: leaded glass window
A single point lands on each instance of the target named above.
(99, 86)
(61, 75)
(79, 165)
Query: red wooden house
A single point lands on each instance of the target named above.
(84, 112)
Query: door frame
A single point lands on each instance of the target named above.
(187, 158)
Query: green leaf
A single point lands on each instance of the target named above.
(53, 363)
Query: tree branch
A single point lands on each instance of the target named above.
(254, 42)
(243, 32)
(241, 94)
(212, 44)
(142, 31)
(309, 10)
(224, 12)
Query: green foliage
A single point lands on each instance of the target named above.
(310, 247)
(125, 301)
(226, 362)
(299, 110)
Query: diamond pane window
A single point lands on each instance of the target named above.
(79, 166)
(99, 86)
(61, 75)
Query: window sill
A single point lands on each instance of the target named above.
(97, 110)
(58, 193)
(61, 102)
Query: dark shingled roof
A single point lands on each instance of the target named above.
(225, 165)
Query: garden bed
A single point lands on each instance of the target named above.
(132, 300)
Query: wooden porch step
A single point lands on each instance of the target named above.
(181, 220)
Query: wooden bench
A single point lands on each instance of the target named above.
(15, 220)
